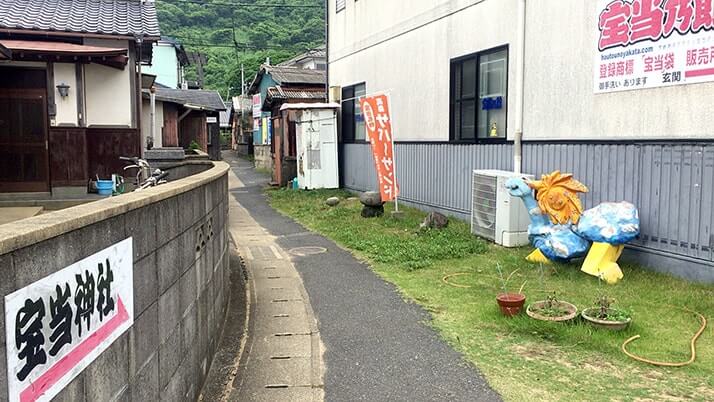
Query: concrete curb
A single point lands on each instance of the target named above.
(281, 358)
(225, 364)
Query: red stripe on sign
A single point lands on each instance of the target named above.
(65, 365)
(699, 73)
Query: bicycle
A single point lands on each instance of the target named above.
(145, 177)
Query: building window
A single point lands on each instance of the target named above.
(340, 5)
(353, 129)
(479, 88)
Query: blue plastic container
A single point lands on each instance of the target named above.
(105, 187)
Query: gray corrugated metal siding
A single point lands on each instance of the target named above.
(672, 184)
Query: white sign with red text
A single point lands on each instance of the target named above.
(257, 106)
(60, 324)
(653, 43)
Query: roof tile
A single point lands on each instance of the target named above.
(210, 100)
(292, 75)
(107, 17)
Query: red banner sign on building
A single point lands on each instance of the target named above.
(378, 124)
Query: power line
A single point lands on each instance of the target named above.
(195, 41)
(215, 45)
(186, 41)
(217, 3)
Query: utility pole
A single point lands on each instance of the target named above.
(242, 79)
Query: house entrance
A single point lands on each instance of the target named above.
(23, 130)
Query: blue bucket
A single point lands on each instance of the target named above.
(105, 187)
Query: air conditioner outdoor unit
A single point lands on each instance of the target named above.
(495, 214)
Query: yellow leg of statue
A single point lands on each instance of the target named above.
(537, 256)
(601, 261)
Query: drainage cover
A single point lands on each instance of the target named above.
(310, 250)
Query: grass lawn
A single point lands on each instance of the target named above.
(525, 359)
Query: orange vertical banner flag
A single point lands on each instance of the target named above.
(378, 123)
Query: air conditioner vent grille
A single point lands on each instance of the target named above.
(483, 219)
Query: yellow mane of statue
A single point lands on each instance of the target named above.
(557, 196)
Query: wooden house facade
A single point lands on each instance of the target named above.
(70, 89)
(185, 116)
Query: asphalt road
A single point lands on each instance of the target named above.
(377, 345)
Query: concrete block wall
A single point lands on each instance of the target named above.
(263, 157)
(181, 279)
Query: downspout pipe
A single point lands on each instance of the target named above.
(327, 51)
(520, 88)
(140, 101)
(152, 131)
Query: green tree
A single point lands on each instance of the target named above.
(212, 27)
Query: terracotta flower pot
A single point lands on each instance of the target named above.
(511, 303)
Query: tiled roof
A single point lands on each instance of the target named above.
(105, 17)
(288, 76)
(291, 75)
(318, 53)
(295, 94)
(208, 100)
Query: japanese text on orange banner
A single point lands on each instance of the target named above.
(379, 133)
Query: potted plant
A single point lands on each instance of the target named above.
(604, 316)
(552, 309)
(511, 304)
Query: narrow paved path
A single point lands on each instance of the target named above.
(281, 359)
(377, 347)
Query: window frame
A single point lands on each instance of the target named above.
(453, 63)
(352, 139)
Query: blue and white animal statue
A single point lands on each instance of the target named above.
(560, 231)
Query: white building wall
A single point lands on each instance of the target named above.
(67, 115)
(108, 90)
(146, 122)
(393, 46)
(165, 65)
(561, 43)
(406, 48)
(308, 64)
